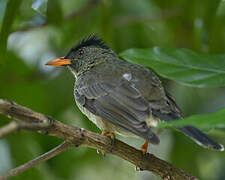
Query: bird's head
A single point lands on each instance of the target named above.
(84, 55)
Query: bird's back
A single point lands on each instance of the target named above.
(141, 78)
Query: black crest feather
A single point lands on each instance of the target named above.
(91, 40)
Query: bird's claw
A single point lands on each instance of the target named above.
(112, 138)
(144, 148)
(101, 152)
(110, 135)
(138, 169)
(113, 141)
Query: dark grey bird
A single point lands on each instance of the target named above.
(121, 97)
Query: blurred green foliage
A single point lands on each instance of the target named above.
(36, 31)
(181, 65)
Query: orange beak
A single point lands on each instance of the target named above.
(59, 62)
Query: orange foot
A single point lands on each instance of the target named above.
(110, 135)
(144, 149)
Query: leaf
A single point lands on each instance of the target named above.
(181, 65)
(2, 9)
(221, 9)
(204, 121)
(10, 13)
(52, 16)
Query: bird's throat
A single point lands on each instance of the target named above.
(74, 72)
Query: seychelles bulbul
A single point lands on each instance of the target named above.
(121, 97)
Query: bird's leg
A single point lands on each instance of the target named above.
(110, 135)
(144, 149)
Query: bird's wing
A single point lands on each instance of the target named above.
(120, 103)
(166, 110)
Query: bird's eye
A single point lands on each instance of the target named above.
(81, 52)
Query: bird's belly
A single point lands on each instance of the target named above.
(92, 117)
(104, 124)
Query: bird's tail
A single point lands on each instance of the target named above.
(200, 138)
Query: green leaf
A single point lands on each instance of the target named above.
(52, 8)
(221, 9)
(204, 121)
(181, 65)
(10, 13)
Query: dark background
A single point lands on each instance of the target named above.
(45, 29)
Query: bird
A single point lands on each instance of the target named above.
(123, 98)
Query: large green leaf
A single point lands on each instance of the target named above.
(181, 65)
(202, 121)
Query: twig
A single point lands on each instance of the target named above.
(16, 126)
(53, 152)
(11, 127)
(78, 136)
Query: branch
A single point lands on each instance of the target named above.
(13, 126)
(16, 126)
(81, 137)
(62, 147)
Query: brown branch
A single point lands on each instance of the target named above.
(11, 127)
(78, 136)
(16, 126)
(48, 155)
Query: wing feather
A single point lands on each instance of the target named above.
(121, 104)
